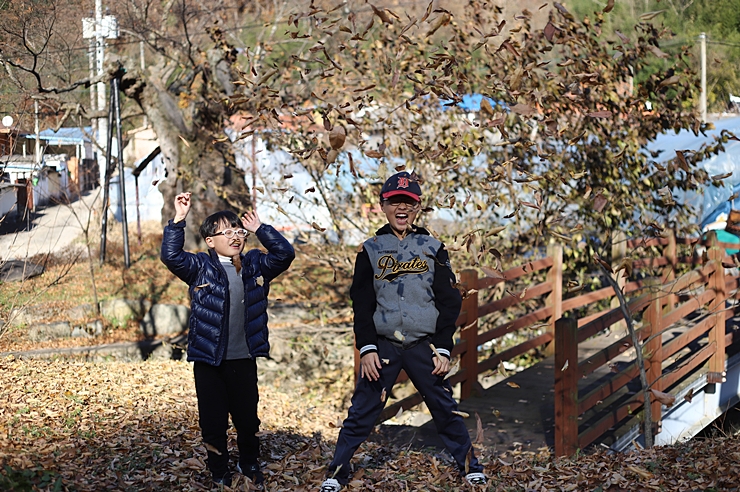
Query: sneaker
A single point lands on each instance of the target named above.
(252, 472)
(476, 478)
(330, 485)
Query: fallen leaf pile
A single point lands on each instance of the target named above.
(68, 425)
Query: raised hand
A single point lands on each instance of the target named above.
(251, 221)
(182, 206)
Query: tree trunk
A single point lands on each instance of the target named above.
(193, 161)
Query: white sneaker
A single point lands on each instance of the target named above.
(476, 478)
(330, 485)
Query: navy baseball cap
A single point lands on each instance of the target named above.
(401, 184)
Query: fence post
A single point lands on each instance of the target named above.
(653, 348)
(555, 298)
(717, 372)
(469, 334)
(619, 252)
(566, 386)
(669, 275)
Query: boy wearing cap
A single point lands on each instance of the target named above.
(405, 306)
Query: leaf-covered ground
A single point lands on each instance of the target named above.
(68, 425)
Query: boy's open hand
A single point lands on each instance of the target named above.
(369, 365)
(251, 221)
(182, 206)
(441, 365)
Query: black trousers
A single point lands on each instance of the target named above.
(367, 405)
(230, 388)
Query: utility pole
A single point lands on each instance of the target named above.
(97, 29)
(37, 128)
(91, 66)
(100, 59)
(703, 99)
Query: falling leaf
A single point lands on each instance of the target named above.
(603, 263)
(260, 281)
(625, 264)
(719, 177)
(399, 335)
(658, 52)
(673, 80)
(522, 109)
(565, 366)
(479, 437)
(492, 272)
(664, 398)
(512, 384)
(502, 369)
(599, 202)
(651, 15)
(337, 137)
(689, 396)
(461, 414)
(609, 6)
(383, 396)
(318, 227)
(440, 21)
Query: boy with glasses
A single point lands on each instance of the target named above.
(228, 325)
(405, 307)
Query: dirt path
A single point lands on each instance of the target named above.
(53, 228)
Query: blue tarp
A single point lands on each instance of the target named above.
(714, 200)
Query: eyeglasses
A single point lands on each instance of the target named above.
(230, 233)
(395, 202)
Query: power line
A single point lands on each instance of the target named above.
(723, 43)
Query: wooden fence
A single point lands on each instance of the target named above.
(656, 301)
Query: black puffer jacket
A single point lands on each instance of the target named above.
(209, 290)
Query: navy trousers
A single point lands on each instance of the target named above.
(367, 406)
(230, 388)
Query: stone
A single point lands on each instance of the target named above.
(80, 332)
(165, 319)
(94, 328)
(49, 331)
(17, 270)
(79, 312)
(124, 309)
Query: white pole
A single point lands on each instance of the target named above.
(102, 102)
(143, 67)
(93, 99)
(37, 151)
(703, 101)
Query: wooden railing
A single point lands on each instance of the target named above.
(583, 417)
(657, 302)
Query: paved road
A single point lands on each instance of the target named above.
(52, 229)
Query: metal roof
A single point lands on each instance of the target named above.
(65, 136)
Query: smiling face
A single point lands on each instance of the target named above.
(226, 246)
(401, 212)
